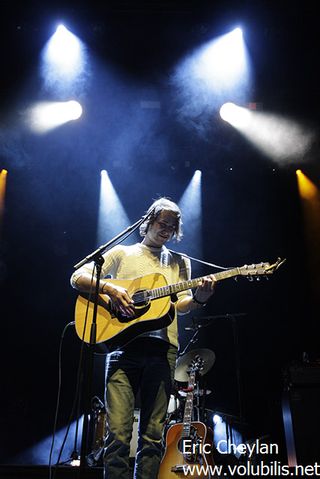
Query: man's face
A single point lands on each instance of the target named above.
(162, 229)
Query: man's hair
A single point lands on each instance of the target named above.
(163, 204)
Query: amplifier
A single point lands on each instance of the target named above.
(301, 414)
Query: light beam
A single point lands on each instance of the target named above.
(277, 137)
(46, 116)
(112, 218)
(64, 65)
(3, 185)
(191, 207)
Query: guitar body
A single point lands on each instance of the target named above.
(152, 303)
(115, 330)
(174, 459)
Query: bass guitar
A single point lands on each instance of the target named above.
(152, 301)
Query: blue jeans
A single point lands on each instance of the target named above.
(145, 364)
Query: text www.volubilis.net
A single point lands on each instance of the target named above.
(273, 469)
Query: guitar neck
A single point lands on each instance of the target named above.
(170, 289)
(188, 408)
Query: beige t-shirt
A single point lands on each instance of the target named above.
(130, 262)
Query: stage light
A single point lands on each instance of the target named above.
(197, 176)
(64, 51)
(235, 115)
(307, 188)
(223, 62)
(48, 115)
(217, 419)
(279, 138)
(3, 184)
(191, 207)
(74, 109)
(224, 433)
(112, 218)
(310, 207)
(237, 33)
(64, 61)
(216, 72)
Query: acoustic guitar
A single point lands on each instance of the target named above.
(189, 443)
(152, 301)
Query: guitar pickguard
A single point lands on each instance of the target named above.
(190, 447)
(122, 318)
(174, 461)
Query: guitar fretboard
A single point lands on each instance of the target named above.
(262, 269)
(188, 408)
(168, 290)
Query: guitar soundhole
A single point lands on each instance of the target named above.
(140, 300)
(141, 306)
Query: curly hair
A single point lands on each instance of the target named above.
(159, 205)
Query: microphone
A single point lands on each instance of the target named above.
(147, 215)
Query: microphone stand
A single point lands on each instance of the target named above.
(193, 339)
(103, 248)
(97, 258)
(232, 317)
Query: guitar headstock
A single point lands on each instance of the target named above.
(260, 269)
(196, 365)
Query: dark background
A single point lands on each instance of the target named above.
(251, 212)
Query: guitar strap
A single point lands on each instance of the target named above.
(200, 260)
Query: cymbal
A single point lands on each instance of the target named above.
(184, 362)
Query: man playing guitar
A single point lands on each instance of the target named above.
(146, 362)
